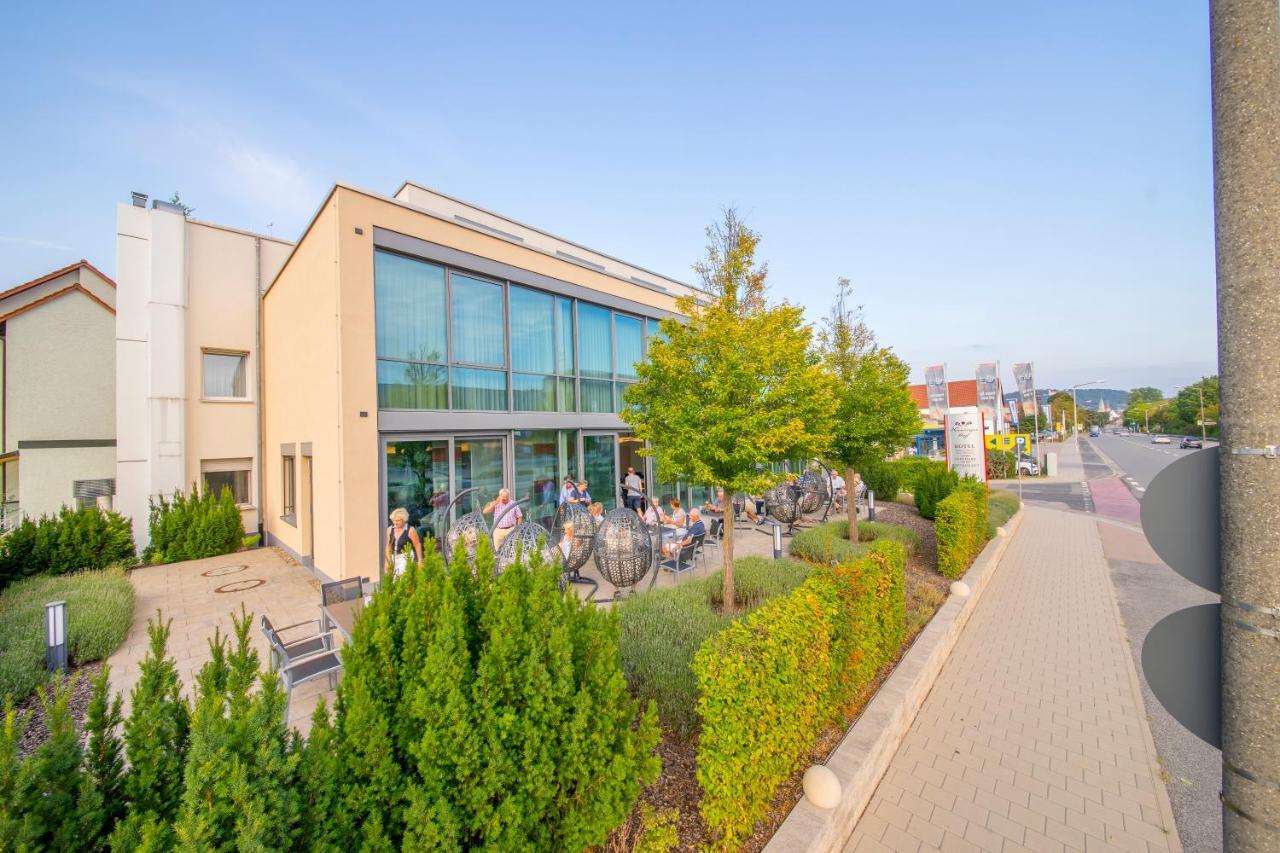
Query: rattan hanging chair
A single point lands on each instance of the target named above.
(623, 548)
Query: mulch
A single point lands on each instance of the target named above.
(36, 730)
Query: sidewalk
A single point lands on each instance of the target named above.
(1034, 736)
(1070, 466)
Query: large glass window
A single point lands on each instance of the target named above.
(532, 331)
(595, 341)
(532, 393)
(629, 340)
(409, 308)
(477, 328)
(600, 470)
(477, 464)
(597, 395)
(565, 362)
(479, 390)
(412, 385)
(543, 458)
(418, 481)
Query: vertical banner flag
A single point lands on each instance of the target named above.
(935, 381)
(989, 393)
(966, 447)
(1024, 375)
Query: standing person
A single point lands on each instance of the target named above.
(505, 516)
(635, 489)
(569, 494)
(584, 494)
(400, 539)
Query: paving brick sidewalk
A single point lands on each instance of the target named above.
(1034, 736)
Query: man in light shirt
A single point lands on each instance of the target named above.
(635, 489)
(505, 516)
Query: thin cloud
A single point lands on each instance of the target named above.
(33, 244)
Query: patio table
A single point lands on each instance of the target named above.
(342, 615)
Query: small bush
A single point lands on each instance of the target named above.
(911, 468)
(661, 630)
(1001, 465)
(195, 526)
(770, 682)
(99, 613)
(883, 478)
(980, 497)
(934, 484)
(829, 543)
(71, 541)
(1001, 507)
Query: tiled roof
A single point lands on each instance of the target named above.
(962, 392)
(36, 282)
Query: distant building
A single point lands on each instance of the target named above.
(57, 400)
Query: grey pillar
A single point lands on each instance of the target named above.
(1246, 144)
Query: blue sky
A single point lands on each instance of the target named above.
(1002, 181)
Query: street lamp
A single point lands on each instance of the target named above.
(1075, 416)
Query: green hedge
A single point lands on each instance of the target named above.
(71, 541)
(771, 682)
(829, 543)
(195, 526)
(99, 613)
(661, 630)
(961, 527)
(934, 484)
(883, 478)
(911, 468)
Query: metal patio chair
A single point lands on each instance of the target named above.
(301, 661)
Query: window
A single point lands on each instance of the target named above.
(224, 376)
(533, 339)
(411, 333)
(232, 474)
(595, 341)
(287, 488)
(629, 340)
(477, 321)
(87, 492)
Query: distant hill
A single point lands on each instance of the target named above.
(1089, 398)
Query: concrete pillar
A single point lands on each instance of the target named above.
(1245, 45)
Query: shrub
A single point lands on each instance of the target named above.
(1001, 465)
(662, 629)
(829, 543)
(911, 468)
(99, 613)
(195, 526)
(1001, 506)
(883, 478)
(770, 682)
(73, 540)
(961, 528)
(935, 483)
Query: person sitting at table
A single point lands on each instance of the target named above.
(716, 504)
(597, 511)
(505, 516)
(584, 495)
(685, 536)
(566, 544)
(401, 538)
(676, 518)
(650, 513)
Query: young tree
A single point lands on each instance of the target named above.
(875, 415)
(735, 385)
(1145, 394)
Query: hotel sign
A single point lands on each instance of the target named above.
(966, 448)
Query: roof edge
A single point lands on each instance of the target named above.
(47, 277)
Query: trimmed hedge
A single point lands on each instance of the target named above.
(935, 483)
(71, 541)
(661, 630)
(883, 478)
(829, 543)
(961, 527)
(772, 681)
(99, 613)
(195, 526)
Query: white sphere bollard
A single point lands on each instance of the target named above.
(960, 588)
(821, 787)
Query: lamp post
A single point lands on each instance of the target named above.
(1075, 415)
(55, 636)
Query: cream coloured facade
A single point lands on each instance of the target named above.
(57, 402)
(424, 352)
(187, 347)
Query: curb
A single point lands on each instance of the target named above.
(863, 756)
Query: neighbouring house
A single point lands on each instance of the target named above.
(186, 347)
(422, 352)
(57, 392)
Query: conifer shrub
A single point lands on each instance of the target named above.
(934, 483)
(883, 478)
(911, 468)
(770, 682)
(193, 526)
(72, 540)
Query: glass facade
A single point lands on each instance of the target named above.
(542, 459)
(418, 481)
(448, 340)
(600, 469)
(477, 464)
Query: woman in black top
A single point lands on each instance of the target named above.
(400, 538)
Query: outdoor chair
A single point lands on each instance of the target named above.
(699, 549)
(301, 661)
(682, 561)
(347, 589)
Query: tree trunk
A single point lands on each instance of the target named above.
(726, 548)
(851, 501)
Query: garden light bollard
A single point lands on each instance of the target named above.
(777, 541)
(871, 505)
(55, 636)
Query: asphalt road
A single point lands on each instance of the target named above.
(1147, 592)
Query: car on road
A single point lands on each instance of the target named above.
(1191, 441)
(1123, 432)
(1160, 439)
(1028, 466)
(1094, 432)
